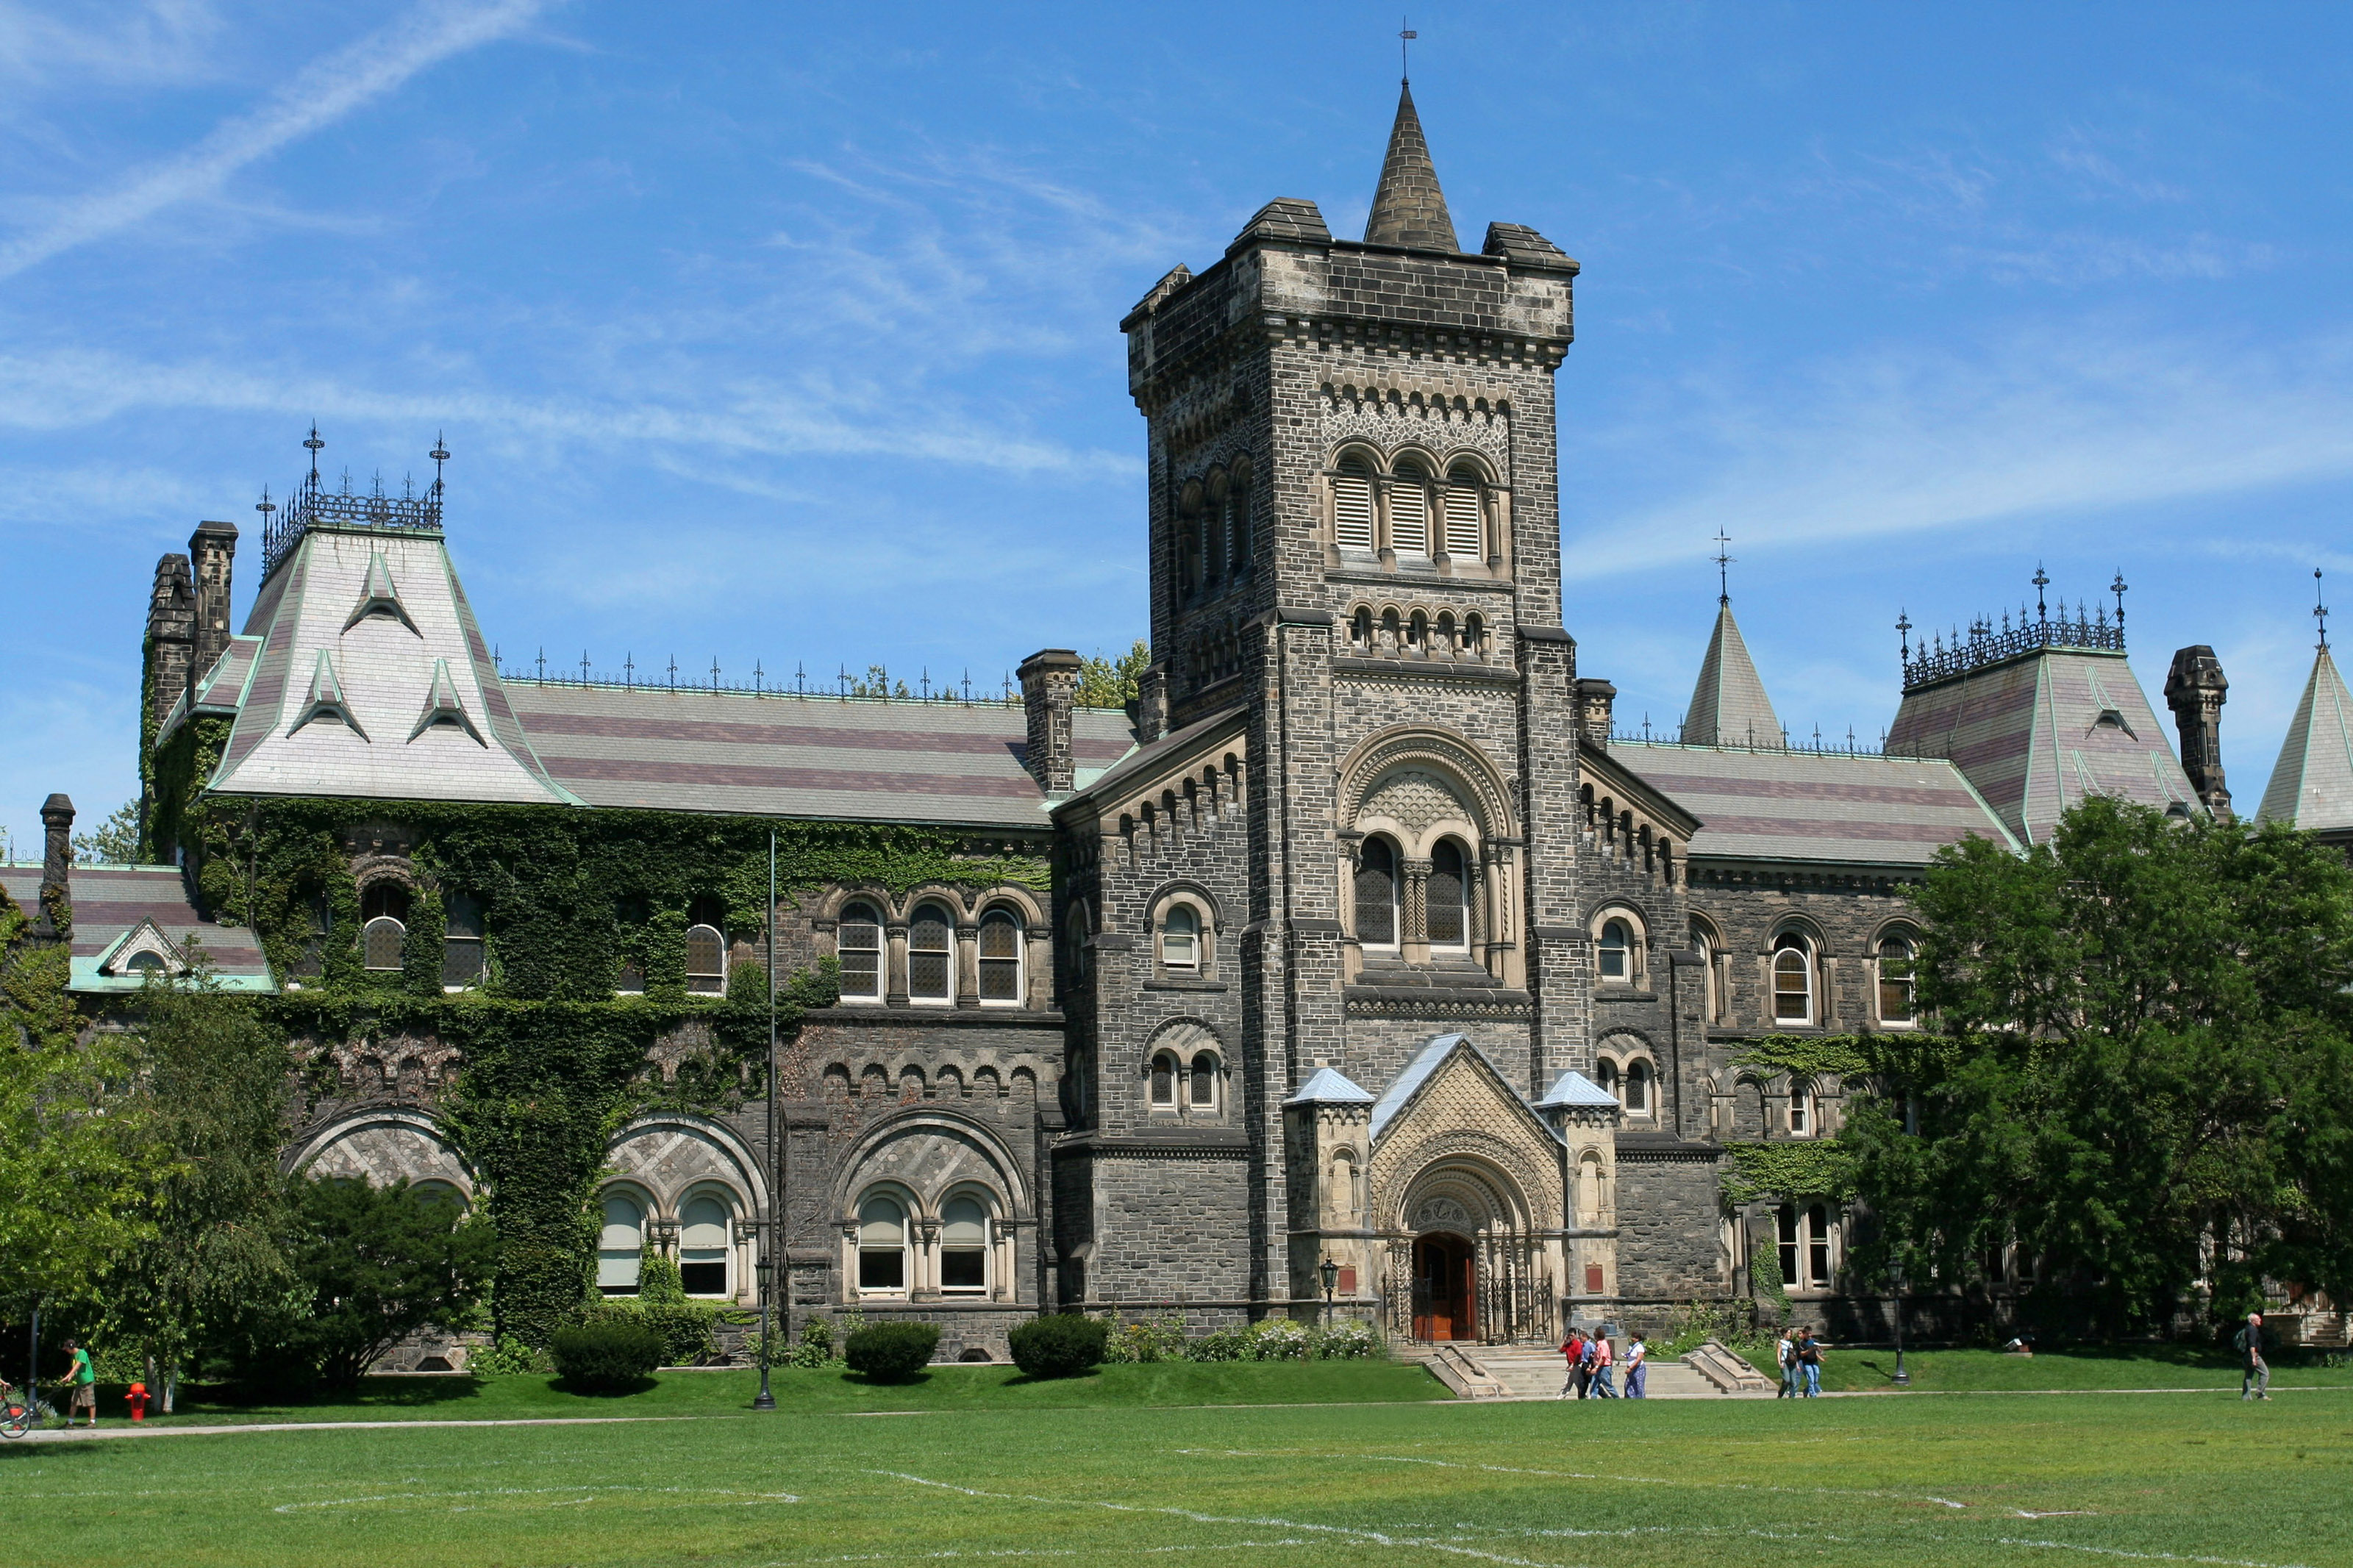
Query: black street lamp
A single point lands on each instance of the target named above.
(766, 1270)
(1331, 1273)
(1902, 1379)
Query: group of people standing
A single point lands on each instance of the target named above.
(1593, 1364)
(1800, 1356)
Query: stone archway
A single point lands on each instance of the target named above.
(1465, 1260)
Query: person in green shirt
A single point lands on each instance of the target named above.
(82, 1378)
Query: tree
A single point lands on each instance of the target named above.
(2143, 1073)
(212, 1089)
(115, 841)
(74, 1153)
(1112, 683)
(376, 1265)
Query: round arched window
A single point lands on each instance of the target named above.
(384, 915)
(702, 1246)
(1638, 1087)
(1793, 980)
(881, 1244)
(1897, 998)
(1617, 952)
(1204, 1094)
(1377, 893)
(1164, 1080)
(620, 1244)
(858, 942)
(1446, 898)
(1001, 959)
(931, 954)
(1180, 939)
(964, 1246)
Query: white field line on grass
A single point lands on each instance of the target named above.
(753, 1499)
(97, 1433)
(1371, 1537)
(1565, 1474)
(2142, 1556)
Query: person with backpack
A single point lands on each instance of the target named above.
(1785, 1355)
(1573, 1350)
(1637, 1369)
(2254, 1373)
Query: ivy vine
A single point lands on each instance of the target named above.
(1791, 1168)
(1805, 1055)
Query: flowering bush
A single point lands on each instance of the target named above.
(1347, 1339)
(1281, 1339)
(1158, 1339)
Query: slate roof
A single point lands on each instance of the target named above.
(1849, 807)
(1728, 705)
(2312, 783)
(1575, 1088)
(2038, 733)
(857, 760)
(1329, 1087)
(220, 691)
(109, 903)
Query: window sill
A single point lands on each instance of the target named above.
(1182, 983)
(1623, 991)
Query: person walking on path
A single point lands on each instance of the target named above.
(1586, 1359)
(1573, 1350)
(1604, 1355)
(1809, 1361)
(2255, 1372)
(82, 1378)
(1785, 1353)
(1638, 1367)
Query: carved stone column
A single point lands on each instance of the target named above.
(968, 964)
(894, 959)
(1413, 912)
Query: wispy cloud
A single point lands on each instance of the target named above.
(163, 41)
(2036, 427)
(317, 96)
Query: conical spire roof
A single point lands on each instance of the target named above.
(2312, 784)
(1409, 208)
(1729, 706)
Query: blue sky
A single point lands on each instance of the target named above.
(791, 334)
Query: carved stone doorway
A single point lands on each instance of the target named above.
(1445, 1288)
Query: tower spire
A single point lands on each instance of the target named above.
(1408, 209)
(2319, 610)
(1722, 579)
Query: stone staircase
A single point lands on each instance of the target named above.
(1534, 1372)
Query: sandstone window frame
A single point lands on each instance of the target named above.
(625, 1210)
(1205, 1084)
(1378, 889)
(1351, 483)
(1895, 993)
(1621, 946)
(1164, 1082)
(932, 922)
(882, 1237)
(965, 1239)
(1002, 977)
(1796, 985)
(1460, 910)
(861, 922)
(696, 1241)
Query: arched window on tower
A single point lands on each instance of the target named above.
(1793, 980)
(1352, 504)
(1897, 1003)
(1617, 953)
(1466, 527)
(1377, 894)
(1638, 1088)
(1165, 1073)
(859, 944)
(1409, 512)
(1203, 1094)
(703, 1245)
(1447, 899)
(1181, 940)
(384, 916)
(881, 1244)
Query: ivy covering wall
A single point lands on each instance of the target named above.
(551, 1061)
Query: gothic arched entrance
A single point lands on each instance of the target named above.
(1445, 1286)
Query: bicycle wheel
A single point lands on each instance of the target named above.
(16, 1421)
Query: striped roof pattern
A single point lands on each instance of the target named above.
(109, 903)
(785, 755)
(2038, 733)
(1846, 808)
(1728, 705)
(2312, 783)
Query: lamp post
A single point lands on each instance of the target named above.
(766, 1269)
(769, 1233)
(1902, 1379)
(1331, 1273)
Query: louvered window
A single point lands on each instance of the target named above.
(1466, 533)
(1409, 515)
(1000, 958)
(1352, 506)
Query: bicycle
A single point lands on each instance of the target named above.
(17, 1416)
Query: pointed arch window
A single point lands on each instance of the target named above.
(1352, 505)
(1446, 898)
(931, 955)
(1898, 1002)
(1377, 893)
(859, 944)
(1001, 959)
(1466, 527)
(383, 917)
(881, 1244)
(1793, 980)
(1409, 514)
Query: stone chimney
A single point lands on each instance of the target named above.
(1595, 711)
(1151, 704)
(171, 640)
(1050, 689)
(57, 869)
(211, 550)
(2195, 689)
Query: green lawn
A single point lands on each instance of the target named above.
(2136, 1366)
(2103, 1480)
(730, 1392)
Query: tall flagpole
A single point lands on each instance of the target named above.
(770, 1233)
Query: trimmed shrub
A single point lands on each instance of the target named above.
(606, 1355)
(1068, 1344)
(891, 1352)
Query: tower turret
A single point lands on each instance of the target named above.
(2195, 689)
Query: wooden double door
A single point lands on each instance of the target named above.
(1445, 1288)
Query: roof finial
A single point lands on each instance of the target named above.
(2041, 581)
(2119, 587)
(313, 442)
(1903, 632)
(1405, 36)
(2319, 610)
(1722, 579)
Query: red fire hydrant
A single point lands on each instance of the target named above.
(138, 1402)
